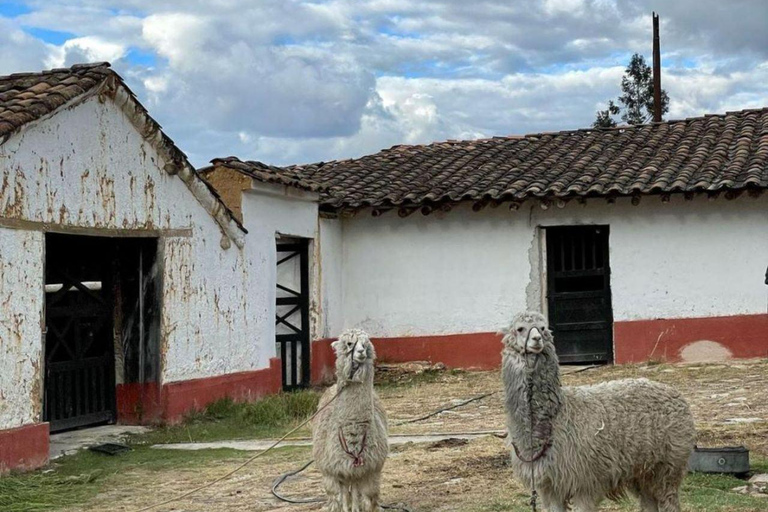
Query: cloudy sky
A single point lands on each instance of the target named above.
(290, 81)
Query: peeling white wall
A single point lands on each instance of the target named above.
(268, 211)
(21, 292)
(87, 170)
(88, 166)
(463, 271)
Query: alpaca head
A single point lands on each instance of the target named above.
(528, 334)
(354, 356)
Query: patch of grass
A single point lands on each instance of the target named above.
(271, 416)
(75, 479)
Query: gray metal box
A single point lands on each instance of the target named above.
(728, 459)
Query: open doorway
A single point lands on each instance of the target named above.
(292, 311)
(102, 325)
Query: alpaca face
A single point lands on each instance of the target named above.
(354, 355)
(528, 333)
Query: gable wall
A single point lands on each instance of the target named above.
(86, 170)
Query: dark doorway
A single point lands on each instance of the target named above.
(100, 322)
(579, 293)
(292, 312)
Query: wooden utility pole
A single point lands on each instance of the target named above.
(656, 71)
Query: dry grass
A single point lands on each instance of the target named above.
(472, 476)
(718, 394)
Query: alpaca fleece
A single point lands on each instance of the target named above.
(349, 438)
(627, 435)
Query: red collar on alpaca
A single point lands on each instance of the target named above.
(538, 455)
(357, 458)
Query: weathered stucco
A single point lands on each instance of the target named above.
(463, 272)
(87, 166)
(21, 362)
(270, 211)
(87, 170)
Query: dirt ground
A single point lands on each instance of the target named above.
(729, 401)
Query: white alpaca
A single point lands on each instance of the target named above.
(587, 443)
(349, 437)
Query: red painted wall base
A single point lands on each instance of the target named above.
(671, 340)
(475, 351)
(142, 404)
(691, 339)
(323, 362)
(184, 396)
(24, 448)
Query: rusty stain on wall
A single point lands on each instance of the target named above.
(21, 280)
(55, 178)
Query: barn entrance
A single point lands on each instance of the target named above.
(101, 325)
(292, 311)
(579, 293)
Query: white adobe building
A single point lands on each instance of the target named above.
(133, 290)
(129, 292)
(646, 242)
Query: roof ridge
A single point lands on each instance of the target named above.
(511, 137)
(52, 71)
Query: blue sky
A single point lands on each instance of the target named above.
(289, 81)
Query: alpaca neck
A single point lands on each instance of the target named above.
(357, 396)
(533, 398)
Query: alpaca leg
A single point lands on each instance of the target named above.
(648, 502)
(585, 504)
(552, 503)
(369, 494)
(666, 488)
(354, 497)
(347, 498)
(335, 491)
(670, 502)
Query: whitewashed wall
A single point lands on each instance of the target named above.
(445, 273)
(87, 170)
(328, 254)
(683, 259)
(269, 211)
(468, 272)
(21, 294)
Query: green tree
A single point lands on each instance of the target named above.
(636, 100)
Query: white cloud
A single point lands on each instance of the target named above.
(84, 49)
(21, 52)
(294, 81)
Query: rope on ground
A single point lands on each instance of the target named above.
(285, 476)
(579, 370)
(300, 501)
(448, 408)
(244, 464)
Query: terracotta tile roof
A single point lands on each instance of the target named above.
(25, 97)
(712, 153)
(266, 173)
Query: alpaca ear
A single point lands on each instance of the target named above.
(336, 345)
(506, 334)
(548, 335)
